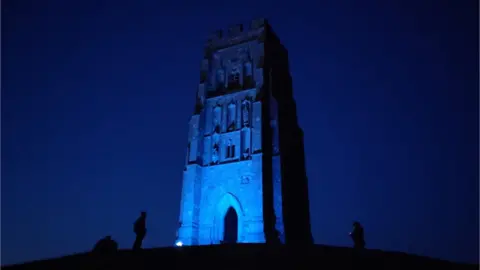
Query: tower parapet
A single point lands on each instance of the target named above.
(236, 34)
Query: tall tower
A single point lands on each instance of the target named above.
(244, 179)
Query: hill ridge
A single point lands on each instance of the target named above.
(241, 256)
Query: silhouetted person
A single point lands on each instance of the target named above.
(105, 245)
(357, 236)
(140, 230)
(276, 235)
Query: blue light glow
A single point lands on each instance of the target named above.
(224, 162)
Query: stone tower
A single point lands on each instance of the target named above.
(244, 179)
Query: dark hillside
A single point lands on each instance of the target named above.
(245, 256)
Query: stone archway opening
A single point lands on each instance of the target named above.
(230, 232)
(227, 210)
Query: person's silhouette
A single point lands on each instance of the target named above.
(105, 245)
(140, 230)
(357, 236)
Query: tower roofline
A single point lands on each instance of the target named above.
(236, 34)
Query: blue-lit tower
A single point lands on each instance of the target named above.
(244, 179)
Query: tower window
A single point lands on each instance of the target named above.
(231, 116)
(246, 113)
(220, 79)
(234, 79)
(248, 75)
(260, 62)
(217, 118)
(248, 69)
(245, 146)
(203, 76)
(230, 149)
(215, 154)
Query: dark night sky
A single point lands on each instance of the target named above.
(96, 96)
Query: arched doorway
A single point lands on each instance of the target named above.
(225, 202)
(230, 231)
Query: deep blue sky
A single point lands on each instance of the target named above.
(96, 96)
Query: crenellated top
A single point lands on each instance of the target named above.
(235, 35)
(233, 63)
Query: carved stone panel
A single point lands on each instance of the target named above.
(245, 180)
